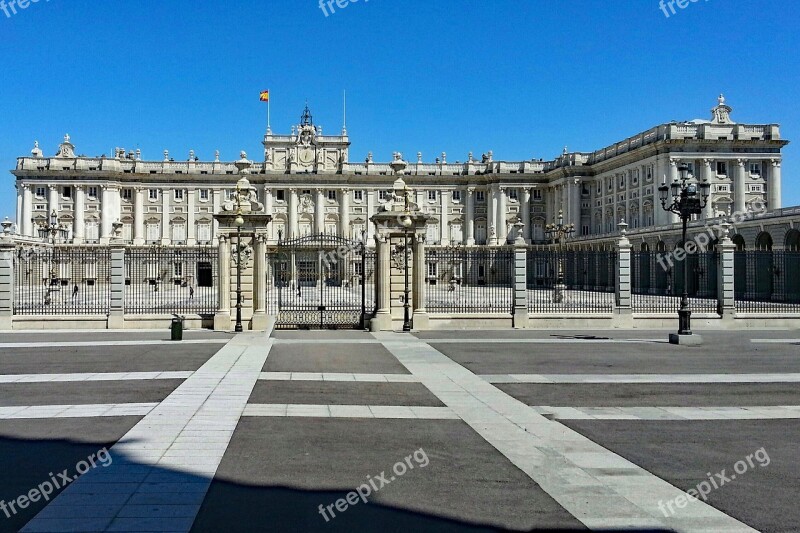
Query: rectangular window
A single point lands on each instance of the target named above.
(431, 196)
(178, 195)
(480, 196)
(93, 192)
(722, 168)
(178, 270)
(512, 194)
(382, 195)
(306, 191)
(358, 196)
(203, 195)
(67, 192)
(755, 169)
(332, 195)
(280, 195)
(537, 194)
(456, 196)
(127, 194)
(40, 192)
(204, 232)
(152, 194)
(432, 270)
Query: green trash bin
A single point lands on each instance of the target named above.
(177, 328)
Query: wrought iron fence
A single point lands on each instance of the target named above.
(573, 281)
(469, 279)
(62, 280)
(767, 281)
(657, 281)
(171, 280)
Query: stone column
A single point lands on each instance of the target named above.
(549, 205)
(469, 231)
(492, 218)
(105, 214)
(774, 200)
(27, 211)
(19, 209)
(116, 314)
(165, 236)
(222, 319)
(740, 187)
(576, 206)
(383, 318)
(726, 303)
(79, 224)
(138, 216)
(623, 310)
(260, 284)
(502, 224)
(292, 230)
(344, 215)
(370, 213)
(191, 229)
(420, 314)
(6, 282)
(520, 313)
(525, 207)
(52, 201)
(672, 218)
(217, 207)
(319, 212)
(444, 223)
(708, 210)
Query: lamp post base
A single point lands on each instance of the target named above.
(558, 293)
(685, 340)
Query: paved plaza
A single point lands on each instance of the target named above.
(347, 431)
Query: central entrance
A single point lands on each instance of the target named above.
(320, 282)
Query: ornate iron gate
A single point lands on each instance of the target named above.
(321, 281)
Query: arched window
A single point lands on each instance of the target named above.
(738, 240)
(764, 242)
(792, 242)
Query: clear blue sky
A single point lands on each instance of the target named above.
(520, 77)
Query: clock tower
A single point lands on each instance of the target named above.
(306, 149)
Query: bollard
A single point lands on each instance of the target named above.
(177, 328)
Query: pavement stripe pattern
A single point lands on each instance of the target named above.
(640, 378)
(595, 485)
(172, 454)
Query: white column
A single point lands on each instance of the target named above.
(344, 215)
(293, 229)
(27, 211)
(105, 214)
(740, 192)
(370, 214)
(576, 205)
(138, 216)
(525, 207)
(492, 218)
(79, 227)
(502, 225)
(549, 205)
(774, 200)
(52, 202)
(319, 212)
(217, 207)
(191, 233)
(470, 221)
(444, 224)
(708, 211)
(269, 203)
(165, 236)
(19, 209)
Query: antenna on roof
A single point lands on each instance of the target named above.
(344, 112)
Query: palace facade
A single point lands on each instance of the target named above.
(309, 184)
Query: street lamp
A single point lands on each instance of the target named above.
(51, 231)
(557, 232)
(685, 203)
(407, 223)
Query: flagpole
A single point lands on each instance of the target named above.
(269, 129)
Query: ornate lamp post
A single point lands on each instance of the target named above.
(407, 223)
(557, 232)
(51, 231)
(238, 222)
(685, 203)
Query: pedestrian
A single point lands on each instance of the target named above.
(191, 292)
(75, 292)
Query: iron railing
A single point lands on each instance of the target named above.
(767, 281)
(171, 280)
(570, 281)
(62, 280)
(469, 279)
(657, 280)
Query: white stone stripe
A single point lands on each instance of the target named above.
(775, 341)
(162, 448)
(488, 340)
(99, 376)
(641, 378)
(333, 376)
(670, 413)
(592, 483)
(349, 411)
(80, 344)
(75, 411)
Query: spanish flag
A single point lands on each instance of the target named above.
(264, 96)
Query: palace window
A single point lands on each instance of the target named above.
(204, 232)
(306, 191)
(177, 269)
(178, 233)
(456, 196)
(152, 194)
(537, 194)
(153, 232)
(358, 196)
(280, 195)
(722, 168)
(433, 269)
(93, 193)
(431, 196)
(66, 192)
(480, 196)
(382, 195)
(40, 192)
(203, 195)
(127, 194)
(178, 195)
(512, 194)
(755, 169)
(332, 195)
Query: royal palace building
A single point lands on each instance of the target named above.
(310, 185)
